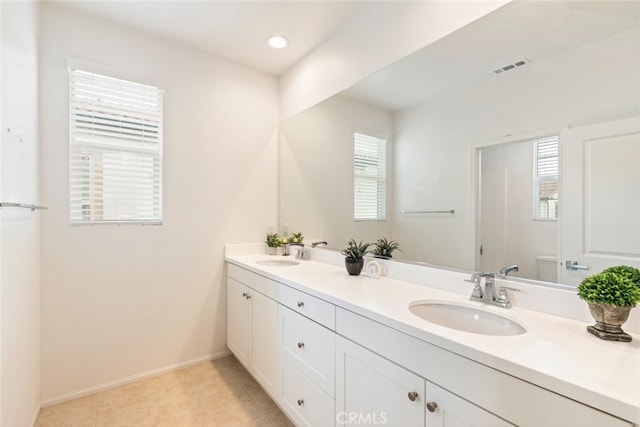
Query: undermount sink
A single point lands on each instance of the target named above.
(466, 318)
(277, 262)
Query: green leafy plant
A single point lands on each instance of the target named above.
(384, 248)
(618, 286)
(273, 240)
(355, 250)
(297, 237)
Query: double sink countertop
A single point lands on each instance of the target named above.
(555, 353)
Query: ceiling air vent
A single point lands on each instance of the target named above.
(513, 66)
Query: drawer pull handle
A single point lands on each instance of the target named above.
(244, 294)
(432, 406)
(300, 304)
(412, 396)
(300, 345)
(248, 296)
(300, 402)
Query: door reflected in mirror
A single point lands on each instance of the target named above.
(517, 208)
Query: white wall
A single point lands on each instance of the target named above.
(377, 36)
(316, 168)
(434, 143)
(121, 301)
(20, 242)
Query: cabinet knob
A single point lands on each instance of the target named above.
(431, 406)
(244, 294)
(248, 296)
(412, 396)
(300, 402)
(300, 304)
(300, 345)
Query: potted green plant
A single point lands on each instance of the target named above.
(273, 243)
(384, 248)
(354, 256)
(611, 294)
(296, 237)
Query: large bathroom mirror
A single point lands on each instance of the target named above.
(464, 122)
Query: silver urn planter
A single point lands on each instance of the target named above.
(609, 319)
(272, 250)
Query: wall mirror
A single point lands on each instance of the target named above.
(461, 119)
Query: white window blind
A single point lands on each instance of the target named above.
(115, 130)
(546, 163)
(370, 177)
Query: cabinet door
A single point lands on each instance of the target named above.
(444, 409)
(238, 315)
(264, 340)
(371, 390)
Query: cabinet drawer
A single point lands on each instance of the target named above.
(303, 401)
(309, 347)
(255, 281)
(309, 306)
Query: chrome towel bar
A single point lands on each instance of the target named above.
(21, 205)
(451, 211)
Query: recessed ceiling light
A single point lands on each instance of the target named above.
(277, 42)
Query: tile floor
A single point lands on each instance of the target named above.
(211, 394)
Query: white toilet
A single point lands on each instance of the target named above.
(547, 267)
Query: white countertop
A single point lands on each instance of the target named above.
(555, 353)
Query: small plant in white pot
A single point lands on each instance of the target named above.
(611, 294)
(354, 256)
(384, 248)
(273, 243)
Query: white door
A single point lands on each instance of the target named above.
(600, 198)
(445, 409)
(492, 254)
(371, 390)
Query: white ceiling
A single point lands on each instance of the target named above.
(533, 30)
(235, 30)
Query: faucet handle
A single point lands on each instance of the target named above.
(477, 290)
(503, 298)
(475, 278)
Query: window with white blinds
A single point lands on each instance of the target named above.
(546, 164)
(115, 131)
(370, 177)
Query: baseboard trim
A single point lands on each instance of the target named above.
(34, 418)
(130, 379)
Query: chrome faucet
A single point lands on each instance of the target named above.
(287, 248)
(320, 242)
(488, 294)
(504, 271)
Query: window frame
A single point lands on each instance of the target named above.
(381, 205)
(157, 217)
(539, 179)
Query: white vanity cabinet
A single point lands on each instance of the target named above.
(282, 337)
(252, 325)
(372, 390)
(467, 392)
(328, 366)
